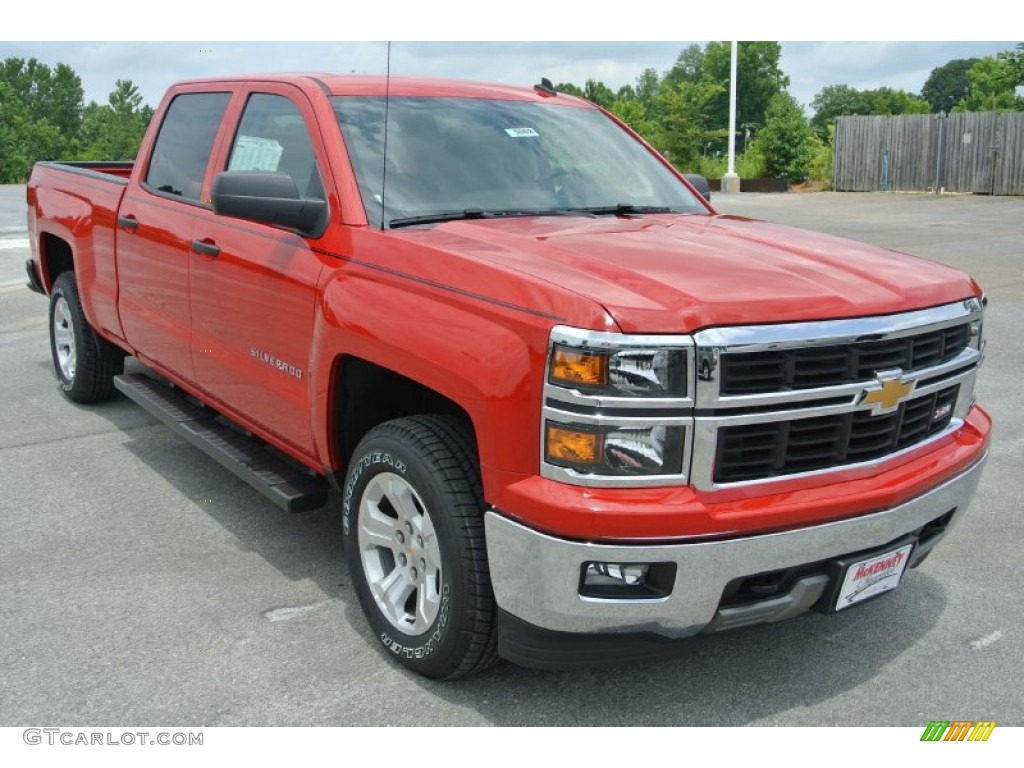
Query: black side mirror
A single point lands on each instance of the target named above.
(699, 183)
(268, 197)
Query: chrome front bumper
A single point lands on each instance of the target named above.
(536, 577)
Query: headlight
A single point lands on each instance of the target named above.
(589, 363)
(975, 330)
(614, 450)
(629, 373)
(617, 409)
(976, 339)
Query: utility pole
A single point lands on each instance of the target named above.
(731, 182)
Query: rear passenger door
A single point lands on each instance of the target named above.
(154, 230)
(253, 285)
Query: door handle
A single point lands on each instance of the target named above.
(206, 248)
(128, 222)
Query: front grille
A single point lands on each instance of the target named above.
(770, 449)
(809, 367)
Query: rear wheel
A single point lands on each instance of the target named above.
(414, 541)
(84, 363)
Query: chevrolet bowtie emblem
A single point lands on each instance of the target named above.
(891, 391)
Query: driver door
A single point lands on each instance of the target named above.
(253, 285)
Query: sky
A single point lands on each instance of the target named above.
(529, 39)
(810, 65)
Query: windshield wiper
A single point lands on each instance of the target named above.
(479, 213)
(620, 208)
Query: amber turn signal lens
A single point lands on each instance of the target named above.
(567, 445)
(571, 367)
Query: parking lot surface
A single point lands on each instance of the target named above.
(141, 583)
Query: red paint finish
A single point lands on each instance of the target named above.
(260, 331)
(153, 277)
(681, 273)
(678, 513)
(80, 210)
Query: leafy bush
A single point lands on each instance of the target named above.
(821, 163)
(749, 165)
(786, 142)
(711, 167)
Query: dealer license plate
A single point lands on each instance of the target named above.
(873, 576)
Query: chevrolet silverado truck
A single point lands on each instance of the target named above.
(571, 413)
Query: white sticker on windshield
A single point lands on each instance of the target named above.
(519, 133)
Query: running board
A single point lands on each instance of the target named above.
(289, 487)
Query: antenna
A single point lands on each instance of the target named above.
(384, 168)
(545, 88)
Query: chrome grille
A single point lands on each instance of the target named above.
(789, 369)
(774, 402)
(786, 447)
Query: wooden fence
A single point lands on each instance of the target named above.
(979, 152)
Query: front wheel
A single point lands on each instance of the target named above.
(413, 527)
(84, 363)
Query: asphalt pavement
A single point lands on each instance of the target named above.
(141, 583)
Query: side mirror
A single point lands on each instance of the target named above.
(699, 183)
(268, 197)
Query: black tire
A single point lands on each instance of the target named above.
(84, 363)
(435, 457)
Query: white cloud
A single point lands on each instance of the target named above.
(811, 65)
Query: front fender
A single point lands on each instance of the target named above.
(483, 359)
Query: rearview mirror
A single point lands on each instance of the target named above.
(268, 197)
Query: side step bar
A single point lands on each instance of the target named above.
(288, 487)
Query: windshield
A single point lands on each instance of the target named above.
(470, 158)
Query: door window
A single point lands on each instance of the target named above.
(182, 149)
(272, 136)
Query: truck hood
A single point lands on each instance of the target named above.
(679, 273)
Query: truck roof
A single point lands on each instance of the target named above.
(376, 85)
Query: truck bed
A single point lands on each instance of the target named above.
(77, 202)
(107, 170)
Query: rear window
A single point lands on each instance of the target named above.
(183, 146)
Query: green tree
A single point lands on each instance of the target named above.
(1015, 59)
(647, 86)
(758, 75)
(631, 112)
(23, 139)
(993, 82)
(626, 93)
(786, 142)
(42, 118)
(52, 95)
(893, 101)
(684, 121)
(65, 100)
(947, 85)
(638, 105)
(115, 130)
(598, 92)
(833, 101)
(689, 66)
(569, 88)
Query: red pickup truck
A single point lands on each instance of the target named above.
(572, 414)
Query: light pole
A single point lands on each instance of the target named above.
(731, 182)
